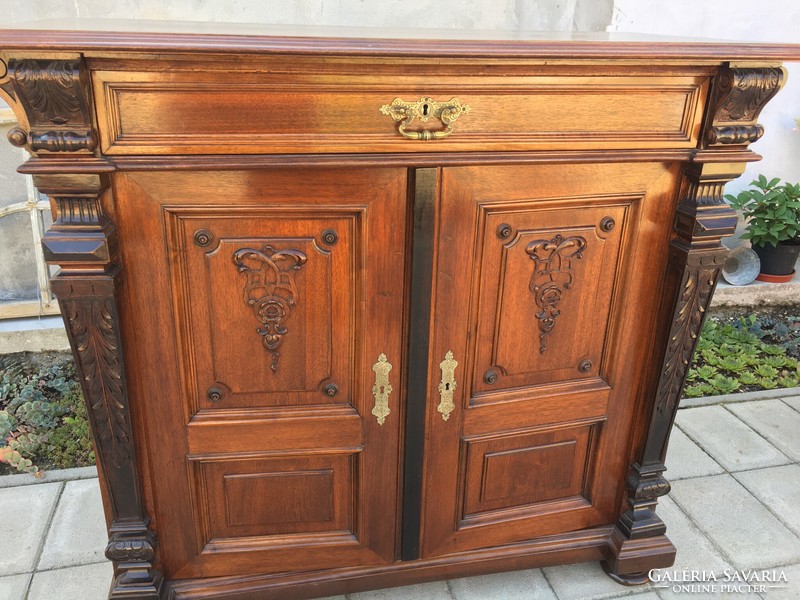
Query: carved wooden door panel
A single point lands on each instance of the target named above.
(281, 296)
(530, 389)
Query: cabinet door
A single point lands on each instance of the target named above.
(538, 335)
(264, 319)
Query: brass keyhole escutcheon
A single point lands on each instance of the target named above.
(426, 108)
(382, 389)
(447, 385)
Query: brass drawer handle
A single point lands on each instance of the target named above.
(381, 389)
(447, 386)
(424, 109)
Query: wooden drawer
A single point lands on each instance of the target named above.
(320, 109)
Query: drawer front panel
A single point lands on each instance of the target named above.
(144, 112)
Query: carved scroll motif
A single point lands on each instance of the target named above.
(54, 95)
(553, 273)
(91, 323)
(270, 289)
(740, 95)
(697, 286)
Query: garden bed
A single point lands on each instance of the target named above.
(43, 419)
(746, 352)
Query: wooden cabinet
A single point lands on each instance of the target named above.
(351, 313)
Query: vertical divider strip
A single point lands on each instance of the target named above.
(422, 256)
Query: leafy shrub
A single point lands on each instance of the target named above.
(42, 415)
(753, 352)
(772, 211)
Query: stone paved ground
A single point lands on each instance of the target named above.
(735, 504)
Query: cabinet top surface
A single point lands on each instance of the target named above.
(106, 35)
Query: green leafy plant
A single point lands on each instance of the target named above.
(42, 415)
(772, 210)
(749, 353)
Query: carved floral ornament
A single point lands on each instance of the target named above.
(52, 93)
(270, 290)
(553, 273)
(49, 89)
(741, 94)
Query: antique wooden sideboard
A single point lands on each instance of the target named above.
(356, 309)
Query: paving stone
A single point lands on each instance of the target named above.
(25, 511)
(686, 459)
(13, 587)
(587, 581)
(785, 591)
(793, 401)
(78, 534)
(47, 476)
(695, 553)
(738, 524)
(519, 585)
(87, 582)
(729, 441)
(778, 488)
(774, 420)
(423, 591)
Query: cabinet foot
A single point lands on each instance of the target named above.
(628, 561)
(626, 578)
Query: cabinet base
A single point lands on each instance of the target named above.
(580, 546)
(627, 578)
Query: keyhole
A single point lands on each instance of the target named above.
(425, 108)
(447, 387)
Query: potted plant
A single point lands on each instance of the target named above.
(772, 210)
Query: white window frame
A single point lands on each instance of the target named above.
(33, 205)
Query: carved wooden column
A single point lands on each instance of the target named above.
(52, 101)
(696, 256)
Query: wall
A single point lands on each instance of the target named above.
(769, 21)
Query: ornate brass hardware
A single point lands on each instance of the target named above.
(330, 390)
(447, 386)
(405, 113)
(381, 389)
